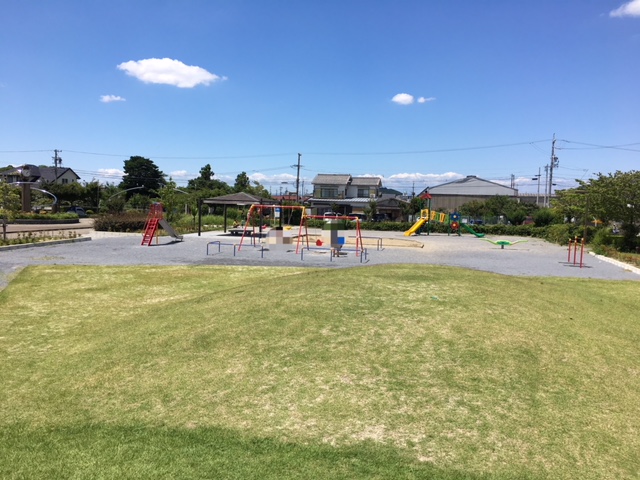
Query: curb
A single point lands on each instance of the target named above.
(44, 244)
(618, 263)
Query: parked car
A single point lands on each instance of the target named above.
(330, 214)
(78, 211)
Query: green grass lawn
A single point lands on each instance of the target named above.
(371, 372)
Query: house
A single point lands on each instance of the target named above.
(39, 174)
(448, 197)
(352, 195)
(58, 175)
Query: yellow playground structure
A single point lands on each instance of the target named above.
(429, 215)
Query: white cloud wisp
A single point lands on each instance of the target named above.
(111, 98)
(408, 99)
(167, 71)
(403, 99)
(629, 9)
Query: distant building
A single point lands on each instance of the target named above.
(450, 196)
(40, 175)
(59, 175)
(352, 195)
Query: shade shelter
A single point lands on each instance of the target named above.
(239, 199)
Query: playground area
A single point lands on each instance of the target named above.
(535, 257)
(453, 221)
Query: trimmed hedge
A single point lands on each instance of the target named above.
(121, 222)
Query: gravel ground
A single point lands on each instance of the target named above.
(534, 257)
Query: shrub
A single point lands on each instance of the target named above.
(543, 217)
(121, 222)
(560, 233)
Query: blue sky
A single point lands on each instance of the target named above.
(417, 92)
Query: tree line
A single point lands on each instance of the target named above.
(142, 184)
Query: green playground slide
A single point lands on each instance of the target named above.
(471, 230)
(416, 226)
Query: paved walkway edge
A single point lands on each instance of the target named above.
(620, 264)
(44, 244)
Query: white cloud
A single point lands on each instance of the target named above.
(111, 174)
(168, 72)
(408, 99)
(181, 174)
(111, 98)
(403, 99)
(629, 9)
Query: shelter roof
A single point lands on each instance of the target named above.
(240, 198)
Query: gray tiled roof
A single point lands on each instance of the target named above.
(331, 179)
(366, 181)
(48, 174)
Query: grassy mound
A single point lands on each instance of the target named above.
(372, 372)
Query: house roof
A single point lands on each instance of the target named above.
(51, 174)
(366, 181)
(472, 185)
(340, 201)
(35, 172)
(331, 179)
(357, 200)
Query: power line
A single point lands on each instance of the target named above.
(443, 150)
(593, 146)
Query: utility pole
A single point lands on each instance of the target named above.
(537, 177)
(552, 165)
(57, 162)
(298, 178)
(545, 199)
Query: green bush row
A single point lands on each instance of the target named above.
(46, 216)
(121, 222)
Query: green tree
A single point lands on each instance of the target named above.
(139, 201)
(259, 191)
(10, 202)
(371, 210)
(616, 197)
(172, 200)
(206, 182)
(517, 216)
(544, 217)
(68, 194)
(92, 192)
(571, 204)
(242, 183)
(142, 172)
(474, 209)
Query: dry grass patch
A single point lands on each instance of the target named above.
(448, 367)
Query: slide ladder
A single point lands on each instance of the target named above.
(150, 230)
(151, 227)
